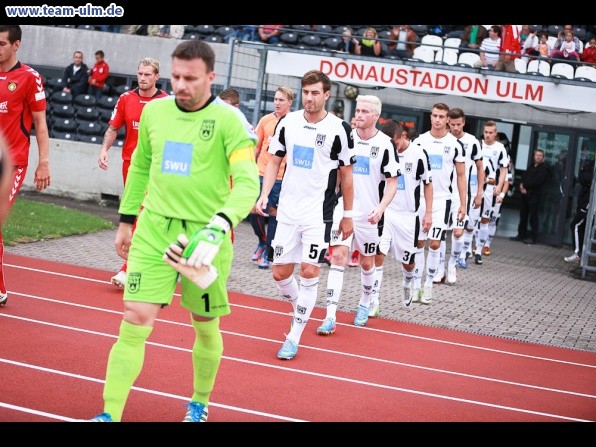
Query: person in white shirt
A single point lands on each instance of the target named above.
(489, 48)
(319, 147)
(402, 225)
(446, 157)
(375, 184)
(495, 161)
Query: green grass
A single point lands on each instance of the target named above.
(31, 221)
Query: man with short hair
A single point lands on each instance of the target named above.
(127, 113)
(375, 184)
(446, 157)
(75, 76)
(531, 189)
(24, 100)
(188, 147)
(494, 161)
(318, 146)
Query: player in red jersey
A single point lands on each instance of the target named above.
(127, 112)
(22, 106)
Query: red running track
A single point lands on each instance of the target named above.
(61, 321)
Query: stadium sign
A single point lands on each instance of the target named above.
(481, 85)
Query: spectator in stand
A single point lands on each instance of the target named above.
(369, 45)
(541, 47)
(264, 226)
(109, 28)
(563, 45)
(171, 31)
(524, 33)
(98, 75)
(144, 30)
(270, 33)
(489, 48)
(578, 224)
(510, 48)
(568, 49)
(348, 43)
(75, 78)
(589, 54)
(472, 37)
(402, 37)
(246, 33)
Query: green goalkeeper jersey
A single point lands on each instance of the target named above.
(185, 163)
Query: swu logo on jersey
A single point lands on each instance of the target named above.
(207, 129)
(401, 183)
(436, 162)
(303, 157)
(177, 158)
(474, 180)
(362, 165)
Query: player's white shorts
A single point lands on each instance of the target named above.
(440, 219)
(400, 235)
(365, 238)
(295, 244)
(453, 222)
(488, 201)
(473, 218)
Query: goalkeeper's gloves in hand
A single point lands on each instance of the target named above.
(204, 244)
(203, 276)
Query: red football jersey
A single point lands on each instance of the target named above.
(21, 92)
(127, 112)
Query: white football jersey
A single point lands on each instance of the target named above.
(375, 161)
(415, 171)
(314, 153)
(494, 157)
(443, 153)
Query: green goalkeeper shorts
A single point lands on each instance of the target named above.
(150, 279)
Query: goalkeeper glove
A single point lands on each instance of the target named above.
(203, 276)
(204, 244)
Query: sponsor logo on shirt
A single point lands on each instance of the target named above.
(4, 107)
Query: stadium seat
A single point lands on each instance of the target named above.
(121, 89)
(432, 41)
(537, 67)
(553, 30)
(191, 36)
(420, 30)
(84, 100)
(86, 114)
(63, 125)
(301, 30)
(61, 97)
(562, 70)
(328, 29)
(223, 31)
(467, 59)
(521, 64)
(62, 110)
(105, 115)
(213, 39)
(63, 135)
(53, 85)
(446, 56)
(107, 102)
(310, 41)
(585, 73)
(331, 42)
(452, 43)
(90, 128)
(289, 38)
(204, 30)
(85, 138)
(423, 54)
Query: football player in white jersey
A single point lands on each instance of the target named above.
(474, 176)
(319, 147)
(495, 161)
(446, 157)
(375, 183)
(496, 215)
(401, 222)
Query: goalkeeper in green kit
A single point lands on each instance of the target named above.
(189, 147)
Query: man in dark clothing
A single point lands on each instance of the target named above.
(531, 191)
(578, 224)
(76, 76)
